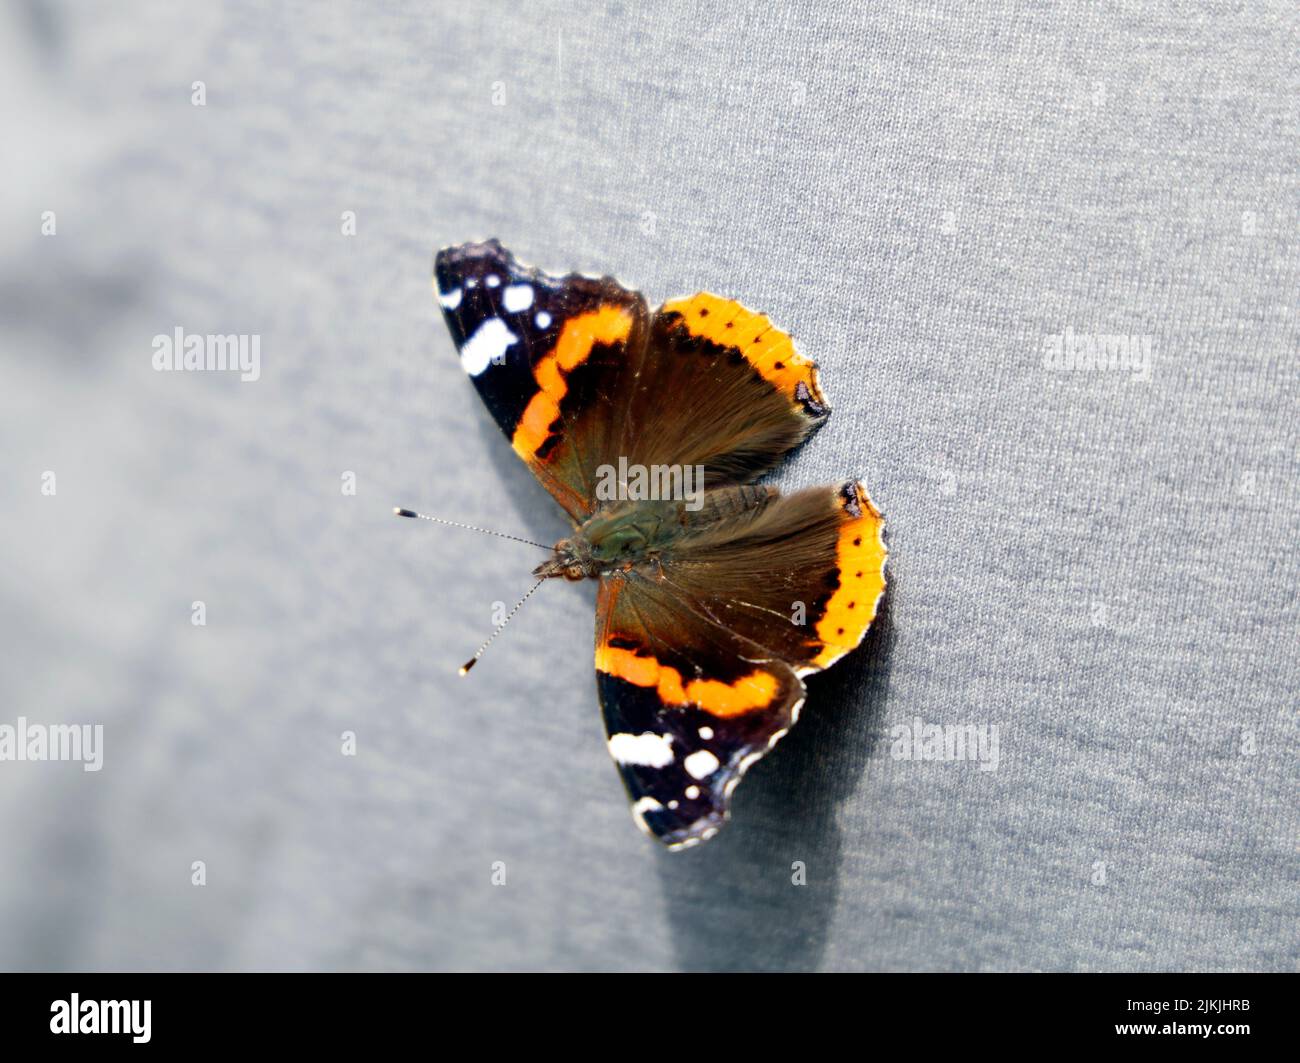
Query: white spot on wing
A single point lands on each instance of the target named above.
(517, 297)
(706, 733)
(648, 750)
(488, 343)
(701, 764)
(452, 299)
(493, 280)
(692, 792)
(646, 804)
(542, 320)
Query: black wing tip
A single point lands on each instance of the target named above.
(473, 248)
(675, 835)
(490, 250)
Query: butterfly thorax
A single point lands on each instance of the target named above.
(626, 535)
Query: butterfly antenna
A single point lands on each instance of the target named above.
(467, 527)
(464, 668)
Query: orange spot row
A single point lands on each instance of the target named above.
(860, 555)
(767, 349)
(608, 324)
(750, 692)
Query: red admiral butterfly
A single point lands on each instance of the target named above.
(715, 597)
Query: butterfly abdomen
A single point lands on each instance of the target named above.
(726, 505)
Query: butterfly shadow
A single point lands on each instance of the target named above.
(760, 896)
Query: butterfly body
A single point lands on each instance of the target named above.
(640, 536)
(716, 594)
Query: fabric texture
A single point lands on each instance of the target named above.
(948, 205)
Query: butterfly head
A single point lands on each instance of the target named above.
(572, 559)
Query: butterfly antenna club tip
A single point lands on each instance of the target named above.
(464, 668)
(401, 512)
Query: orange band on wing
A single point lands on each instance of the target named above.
(860, 554)
(767, 349)
(609, 324)
(747, 694)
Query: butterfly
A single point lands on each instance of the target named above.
(717, 594)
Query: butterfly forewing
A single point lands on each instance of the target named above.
(688, 706)
(545, 354)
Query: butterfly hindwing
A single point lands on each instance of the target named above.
(698, 664)
(719, 387)
(802, 576)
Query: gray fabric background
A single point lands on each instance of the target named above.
(921, 193)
